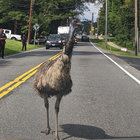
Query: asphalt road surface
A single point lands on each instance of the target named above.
(104, 102)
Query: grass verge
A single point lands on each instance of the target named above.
(111, 49)
(13, 47)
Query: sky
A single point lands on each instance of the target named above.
(93, 8)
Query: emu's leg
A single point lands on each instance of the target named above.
(46, 102)
(56, 116)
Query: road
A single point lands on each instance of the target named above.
(104, 103)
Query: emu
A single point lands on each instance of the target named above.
(53, 77)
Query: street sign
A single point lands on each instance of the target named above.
(36, 26)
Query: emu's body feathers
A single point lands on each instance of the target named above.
(53, 77)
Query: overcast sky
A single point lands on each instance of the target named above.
(93, 8)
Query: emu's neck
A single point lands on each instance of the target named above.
(69, 45)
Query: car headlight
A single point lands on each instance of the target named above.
(47, 41)
(59, 41)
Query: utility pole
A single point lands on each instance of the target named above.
(92, 23)
(30, 20)
(106, 24)
(136, 27)
(97, 27)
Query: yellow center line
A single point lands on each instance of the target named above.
(17, 84)
(55, 56)
(18, 78)
(18, 81)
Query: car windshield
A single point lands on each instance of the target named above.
(64, 36)
(54, 37)
(84, 36)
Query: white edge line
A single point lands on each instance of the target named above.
(130, 75)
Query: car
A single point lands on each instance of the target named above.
(64, 38)
(11, 36)
(78, 36)
(42, 39)
(54, 40)
(85, 38)
(39, 40)
(75, 40)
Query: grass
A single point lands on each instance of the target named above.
(124, 44)
(111, 49)
(12, 47)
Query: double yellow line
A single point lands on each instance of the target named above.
(4, 90)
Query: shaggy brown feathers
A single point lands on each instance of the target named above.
(53, 77)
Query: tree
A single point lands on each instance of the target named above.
(120, 21)
(49, 14)
(13, 14)
(57, 13)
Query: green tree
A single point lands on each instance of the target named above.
(13, 13)
(49, 14)
(120, 21)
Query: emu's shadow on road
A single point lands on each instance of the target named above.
(89, 132)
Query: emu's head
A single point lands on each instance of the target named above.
(75, 23)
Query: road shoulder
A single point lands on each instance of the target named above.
(125, 63)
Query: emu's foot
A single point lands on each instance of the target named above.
(47, 131)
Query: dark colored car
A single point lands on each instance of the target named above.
(39, 40)
(75, 40)
(42, 39)
(64, 38)
(54, 40)
(85, 38)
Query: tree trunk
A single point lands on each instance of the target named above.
(15, 27)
